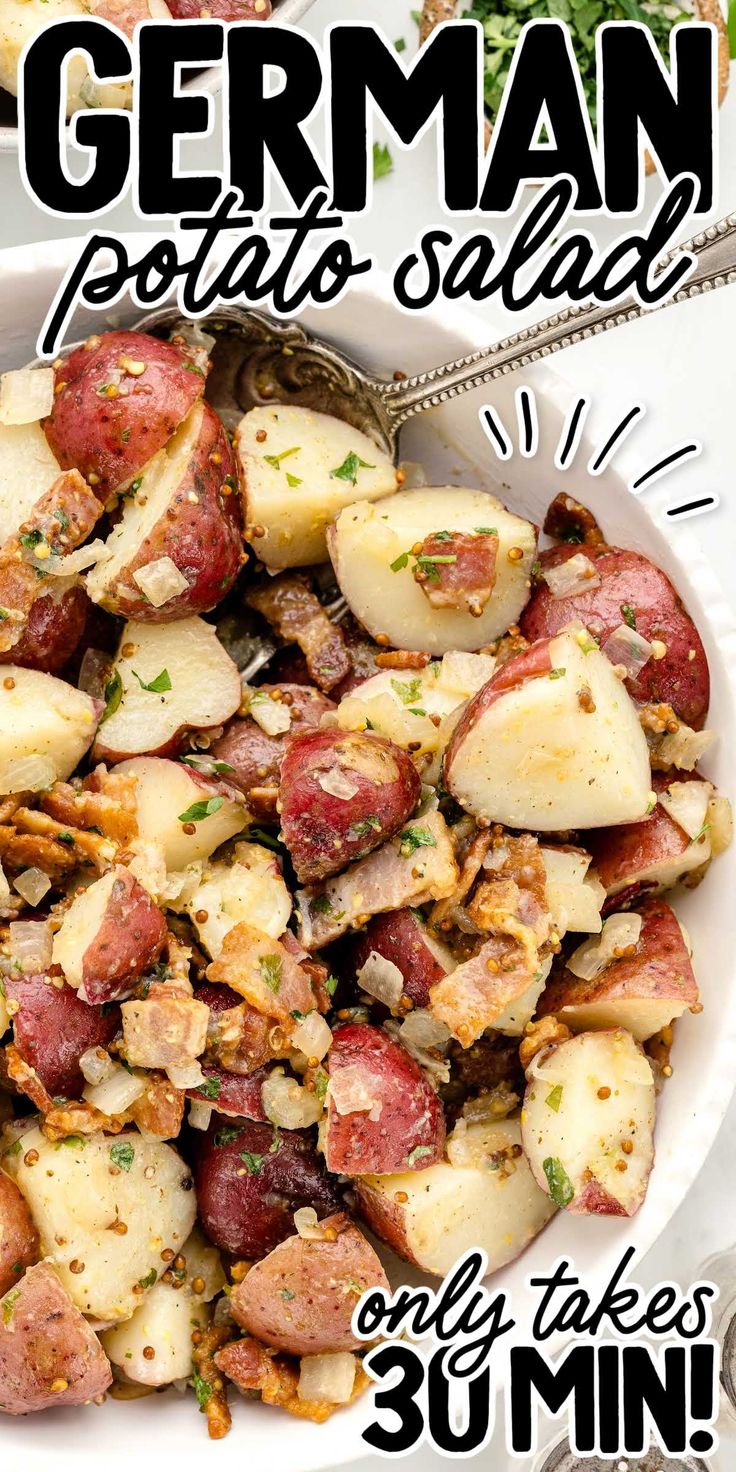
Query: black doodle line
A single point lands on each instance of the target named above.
(569, 441)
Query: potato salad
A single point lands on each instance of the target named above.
(382, 938)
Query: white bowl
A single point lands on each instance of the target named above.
(452, 446)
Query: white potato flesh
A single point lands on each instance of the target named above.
(165, 790)
(483, 1195)
(366, 540)
(399, 703)
(163, 1323)
(205, 685)
(534, 758)
(641, 1016)
(574, 897)
(588, 1121)
(81, 923)
(74, 1200)
(251, 888)
(20, 20)
(27, 470)
(41, 716)
(296, 497)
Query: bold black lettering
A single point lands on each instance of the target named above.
(163, 116)
(441, 1424)
(398, 1398)
(574, 1376)
(665, 1399)
(259, 124)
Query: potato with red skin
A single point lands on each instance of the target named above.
(323, 831)
(255, 757)
(49, 1355)
(238, 1095)
(19, 1240)
(301, 1297)
(111, 934)
(111, 438)
(247, 1207)
(628, 580)
(184, 510)
(54, 628)
(642, 993)
(367, 1068)
(650, 856)
(222, 9)
(402, 937)
(53, 1027)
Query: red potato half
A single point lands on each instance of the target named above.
(196, 685)
(111, 934)
(49, 1355)
(255, 757)
(641, 993)
(588, 1122)
(298, 469)
(553, 741)
(109, 417)
(342, 795)
(402, 938)
(370, 547)
(238, 1095)
(19, 1242)
(53, 1027)
(177, 547)
(631, 590)
(301, 1297)
(222, 9)
(250, 1180)
(484, 1195)
(55, 625)
(649, 856)
(46, 726)
(414, 708)
(383, 1114)
(165, 792)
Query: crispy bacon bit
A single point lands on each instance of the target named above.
(106, 800)
(241, 1040)
(160, 1110)
(165, 1029)
(263, 972)
(80, 1119)
(402, 659)
(212, 1391)
(37, 840)
(568, 521)
(457, 569)
(475, 853)
(253, 1367)
(27, 1080)
(538, 1035)
(297, 616)
(61, 519)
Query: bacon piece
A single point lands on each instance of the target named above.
(106, 800)
(458, 569)
(27, 1080)
(160, 1110)
(233, 1093)
(61, 519)
(263, 972)
(239, 1038)
(297, 616)
(213, 1399)
(165, 1029)
(80, 1119)
(36, 840)
(569, 521)
(253, 1367)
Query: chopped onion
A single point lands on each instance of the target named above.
(186, 1075)
(117, 1091)
(33, 884)
(338, 784)
(423, 1030)
(26, 395)
(351, 1095)
(627, 648)
(576, 575)
(160, 581)
(288, 1104)
(305, 1221)
(74, 562)
(496, 857)
(29, 774)
(31, 944)
(574, 898)
(273, 716)
(682, 748)
(190, 332)
(465, 673)
(93, 672)
(720, 818)
(327, 1379)
(415, 476)
(96, 1065)
(200, 1114)
(381, 979)
(593, 956)
(312, 1035)
(686, 803)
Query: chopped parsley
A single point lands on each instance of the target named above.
(400, 44)
(209, 1088)
(113, 696)
(554, 1098)
(560, 1186)
(321, 905)
(122, 1153)
(31, 539)
(486, 531)
(149, 1279)
(9, 1303)
(383, 163)
(161, 683)
(414, 838)
(253, 1162)
(270, 968)
(331, 985)
(416, 1154)
(226, 1135)
(364, 827)
(628, 615)
(275, 460)
(292, 480)
(287, 1293)
(557, 674)
(202, 1389)
(204, 761)
(408, 691)
(350, 467)
(320, 1084)
(202, 809)
(62, 519)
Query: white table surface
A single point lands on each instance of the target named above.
(680, 363)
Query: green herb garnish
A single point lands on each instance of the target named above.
(275, 460)
(149, 1279)
(383, 163)
(560, 1186)
(123, 1154)
(554, 1098)
(350, 467)
(254, 1163)
(202, 809)
(628, 615)
(416, 1154)
(113, 696)
(414, 838)
(270, 968)
(161, 683)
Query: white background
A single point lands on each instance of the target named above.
(680, 364)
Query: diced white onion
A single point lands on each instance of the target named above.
(33, 884)
(29, 774)
(94, 672)
(465, 673)
(160, 581)
(683, 748)
(327, 1379)
(31, 944)
(186, 1075)
(593, 956)
(628, 648)
(312, 1036)
(574, 899)
(273, 716)
(576, 575)
(686, 803)
(338, 784)
(381, 979)
(26, 395)
(117, 1091)
(191, 332)
(423, 1030)
(74, 562)
(200, 1114)
(350, 1093)
(287, 1104)
(305, 1221)
(96, 1065)
(415, 476)
(720, 818)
